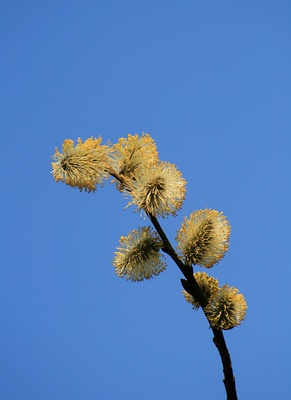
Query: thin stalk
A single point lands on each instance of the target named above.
(192, 287)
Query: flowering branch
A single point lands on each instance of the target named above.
(158, 189)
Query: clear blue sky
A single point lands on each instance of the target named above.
(210, 81)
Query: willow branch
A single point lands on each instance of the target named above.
(192, 287)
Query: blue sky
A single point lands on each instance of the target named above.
(210, 82)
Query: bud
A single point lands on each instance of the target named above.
(227, 309)
(159, 189)
(203, 238)
(138, 256)
(82, 166)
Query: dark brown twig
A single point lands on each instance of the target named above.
(192, 287)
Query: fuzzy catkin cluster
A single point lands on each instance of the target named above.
(156, 188)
